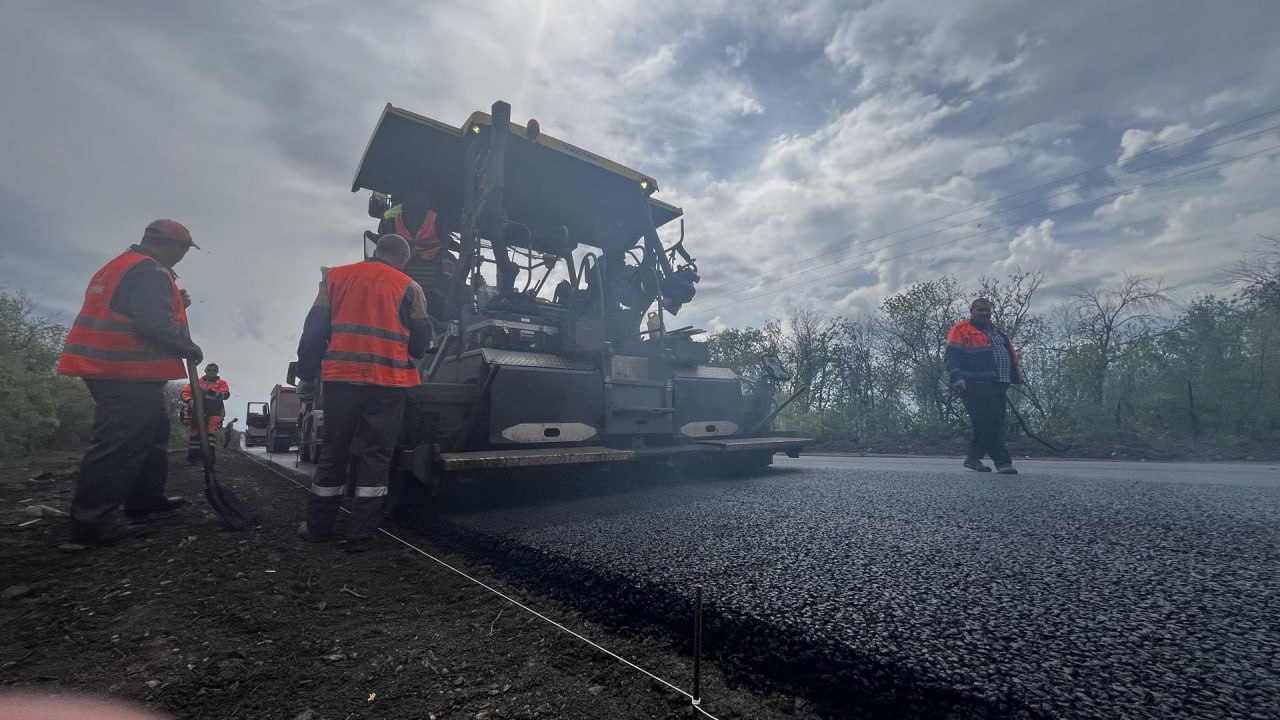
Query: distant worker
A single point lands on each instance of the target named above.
(431, 262)
(128, 341)
(361, 337)
(215, 392)
(981, 363)
(230, 434)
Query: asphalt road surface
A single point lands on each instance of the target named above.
(1075, 590)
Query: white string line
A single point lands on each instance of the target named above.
(696, 701)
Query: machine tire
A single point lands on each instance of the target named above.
(305, 447)
(280, 443)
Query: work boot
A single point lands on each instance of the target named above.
(163, 506)
(104, 533)
(1006, 469)
(976, 465)
(305, 533)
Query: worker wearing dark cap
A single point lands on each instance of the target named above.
(361, 339)
(215, 391)
(128, 341)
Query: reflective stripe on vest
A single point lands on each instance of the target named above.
(368, 344)
(103, 344)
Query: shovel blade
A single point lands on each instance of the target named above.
(229, 507)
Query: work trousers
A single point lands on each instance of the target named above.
(213, 423)
(364, 419)
(986, 405)
(127, 462)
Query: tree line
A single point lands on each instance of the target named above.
(40, 410)
(1120, 363)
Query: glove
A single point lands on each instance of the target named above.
(186, 298)
(194, 354)
(308, 388)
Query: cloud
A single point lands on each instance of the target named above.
(1035, 247)
(826, 153)
(1135, 141)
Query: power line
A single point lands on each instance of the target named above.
(706, 312)
(1043, 185)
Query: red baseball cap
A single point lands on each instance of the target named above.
(169, 231)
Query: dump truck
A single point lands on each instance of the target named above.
(558, 343)
(274, 425)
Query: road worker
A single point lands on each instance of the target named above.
(215, 392)
(431, 262)
(128, 341)
(981, 363)
(361, 338)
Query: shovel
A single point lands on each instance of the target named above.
(229, 507)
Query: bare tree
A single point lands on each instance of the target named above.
(914, 329)
(810, 345)
(1258, 275)
(1012, 299)
(1109, 320)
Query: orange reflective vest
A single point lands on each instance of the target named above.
(368, 343)
(103, 344)
(219, 387)
(425, 243)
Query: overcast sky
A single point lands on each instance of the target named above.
(846, 148)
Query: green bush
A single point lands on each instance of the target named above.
(42, 411)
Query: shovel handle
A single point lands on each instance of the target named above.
(197, 402)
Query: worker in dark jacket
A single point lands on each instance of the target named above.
(215, 392)
(128, 341)
(982, 362)
(361, 337)
(431, 261)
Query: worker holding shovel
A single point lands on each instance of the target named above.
(128, 341)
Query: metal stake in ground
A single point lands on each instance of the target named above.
(697, 645)
(229, 507)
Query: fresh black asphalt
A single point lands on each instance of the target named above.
(913, 588)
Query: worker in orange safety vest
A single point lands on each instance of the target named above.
(128, 341)
(215, 391)
(431, 262)
(361, 339)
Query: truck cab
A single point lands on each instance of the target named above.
(257, 419)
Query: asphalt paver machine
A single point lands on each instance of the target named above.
(558, 343)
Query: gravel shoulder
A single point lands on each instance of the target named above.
(194, 621)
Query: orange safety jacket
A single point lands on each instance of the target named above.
(970, 356)
(103, 344)
(219, 387)
(368, 342)
(425, 243)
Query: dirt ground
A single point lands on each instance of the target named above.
(197, 622)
